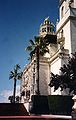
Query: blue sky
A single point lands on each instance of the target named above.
(19, 22)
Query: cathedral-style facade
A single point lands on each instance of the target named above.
(62, 44)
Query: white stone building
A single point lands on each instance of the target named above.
(62, 43)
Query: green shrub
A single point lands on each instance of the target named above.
(59, 104)
(52, 104)
(39, 105)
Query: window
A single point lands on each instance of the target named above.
(28, 94)
(48, 29)
(51, 28)
(43, 29)
(62, 12)
(62, 33)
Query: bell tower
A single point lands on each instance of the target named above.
(46, 28)
(66, 27)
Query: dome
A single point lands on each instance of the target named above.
(47, 21)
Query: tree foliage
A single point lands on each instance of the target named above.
(11, 99)
(15, 75)
(67, 78)
(17, 99)
(37, 47)
(38, 42)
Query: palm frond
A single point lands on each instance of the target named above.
(29, 58)
(11, 75)
(37, 39)
(29, 48)
(19, 75)
(11, 72)
(32, 53)
(17, 67)
(31, 42)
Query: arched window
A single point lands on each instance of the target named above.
(28, 94)
(48, 29)
(52, 28)
(62, 33)
(62, 12)
(43, 29)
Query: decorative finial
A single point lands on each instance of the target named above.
(47, 18)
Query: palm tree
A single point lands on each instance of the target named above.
(38, 47)
(11, 99)
(15, 75)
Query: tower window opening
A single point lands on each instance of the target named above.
(47, 22)
(43, 29)
(48, 29)
(51, 28)
(62, 12)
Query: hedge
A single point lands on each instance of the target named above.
(52, 104)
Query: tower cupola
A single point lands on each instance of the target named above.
(47, 27)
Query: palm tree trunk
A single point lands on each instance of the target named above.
(14, 92)
(37, 79)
